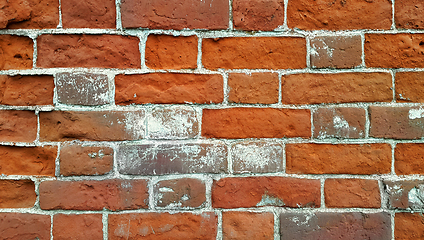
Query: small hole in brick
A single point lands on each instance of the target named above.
(18, 56)
(421, 43)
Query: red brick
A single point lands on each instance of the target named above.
(169, 52)
(403, 50)
(264, 15)
(168, 88)
(253, 88)
(39, 161)
(409, 226)
(88, 13)
(17, 194)
(265, 191)
(112, 194)
(409, 158)
(175, 14)
(315, 88)
(78, 160)
(254, 52)
(352, 193)
(15, 52)
(409, 14)
(81, 226)
(88, 51)
(409, 87)
(338, 158)
(163, 226)
(247, 225)
(18, 126)
(256, 123)
(339, 15)
(88, 126)
(180, 193)
(405, 195)
(24, 226)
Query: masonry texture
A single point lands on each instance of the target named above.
(212, 119)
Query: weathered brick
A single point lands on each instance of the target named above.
(409, 14)
(26, 90)
(39, 161)
(409, 158)
(163, 226)
(82, 89)
(409, 226)
(175, 14)
(336, 51)
(88, 13)
(254, 52)
(15, 52)
(256, 123)
(253, 88)
(315, 88)
(339, 15)
(396, 122)
(18, 126)
(97, 126)
(85, 160)
(338, 158)
(405, 194)
(265, 191)
(88, 51)
(352, 193)
(403, 50)
(168, 88)
(24, 226)
(159, 159)
(35, 14)
(257, 157)
(339, 123)
(170, 52)
(409, 86)
(17, 194)
(112, 194)
(81, 226)
(180, 193)
(335, 225)
(264, 15)
(172, 123)
(247, 225)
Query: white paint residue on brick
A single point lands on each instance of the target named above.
(134, 124)
(416, 113)
(416, 197)
(299, 222)
(123, 230)
(165, 189)
(174, 123)
(270, 201)
(340, 123)
(255, 156)
(213, 154)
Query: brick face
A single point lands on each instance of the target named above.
(352, 193)
(247, 225)
(24, 226)
(262, 15)
(81, 226)
(409, 14)
(409, 226)
(410, 87)
(18, 126)
(253, 88)
(16, 52)
(88, 14)
(180, 193)
(17, 194)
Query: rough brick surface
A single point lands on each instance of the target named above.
(314, 88)
(254, 52)
(159, 159)
(39, 161)
(409, 158)
(247, 225)
(88, 14)
(81, 226)
(15, 52)
(112, 194)
(339, 123)
(180, 193)
(100, 126)
(168, 88)
(256, 123)
(78, 160)
(89, 51)
(24, 226)
(18, 126)
(334, 226)
(175, 14)
(401, 50)
(338, 159)
(338, 15)
(405, 194)
(352, 193)
(264, 15)
(163, 226)
(336, 51)
(17, 194)
(409, 226)
(410, 87)
(169, 52)
(253, 88)
(409, 14)
(265, 191)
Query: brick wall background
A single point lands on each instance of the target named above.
(211, 119)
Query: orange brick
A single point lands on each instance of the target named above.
(352, 193)
(409, 158)
(17, 194)
(409, 226)
(253, 88)
(247, 225)
(15, 52)
(18, 126)
(410, 87)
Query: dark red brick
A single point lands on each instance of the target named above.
(88, 13)
(264, 15)
(405, 194)
(180, 193)
(81, 226)
(24, 226)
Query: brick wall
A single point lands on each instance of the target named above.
(212, 119)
